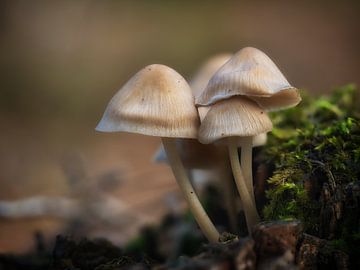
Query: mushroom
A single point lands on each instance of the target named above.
(256, 140)
(157, 101)
(233, 119)
(250, 73)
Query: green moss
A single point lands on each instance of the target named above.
(285, 197)
(314, 146)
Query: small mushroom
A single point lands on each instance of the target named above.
(157, 101)
(231, 119)
(250, 73)
(246, 143)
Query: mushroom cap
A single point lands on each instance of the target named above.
(250, 72)
(258, 140)
(206, 71)
(235, 117)
(156, 101)
(281, 100)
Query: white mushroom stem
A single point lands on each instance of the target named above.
(249, 207)
(246, 164)
(192, 199)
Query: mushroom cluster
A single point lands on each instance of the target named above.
(230, 112)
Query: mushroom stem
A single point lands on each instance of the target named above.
(249, 208)
(192, 199)
(230, 203)
(246, 164)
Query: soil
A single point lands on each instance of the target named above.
(274, 245)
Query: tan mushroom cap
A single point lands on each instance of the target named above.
(235, 117)
(250, 72)
(156, 101)
(258, 140)
(206, 71)
(281, 100)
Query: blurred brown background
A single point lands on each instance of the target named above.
(61, 61)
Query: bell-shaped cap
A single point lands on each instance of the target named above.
(156, 101)
(281, 100)
(234, 117)
(206, 71)
(250, 72)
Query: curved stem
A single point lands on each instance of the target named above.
(246, 164)
(250, 211)
(196, 208)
